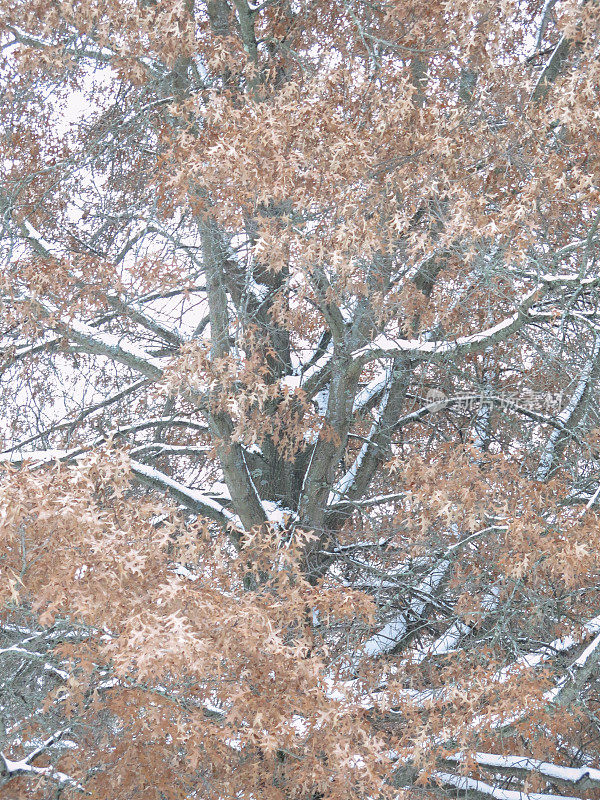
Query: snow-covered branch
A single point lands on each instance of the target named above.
(474, 788)
(196, 501)
(583, 777)
(343, 486)
(571, 414)
(383, 347)
(110, 345)
(386, 639)
(10, 768)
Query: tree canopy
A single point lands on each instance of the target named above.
(300, 351)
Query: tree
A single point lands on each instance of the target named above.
(301, 349)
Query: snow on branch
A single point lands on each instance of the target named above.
(546, 652)
(345, 484)
(511, 671)
(35, 456)
(446, 643)
(9, 768)
(584, 777)
(196, 501)
(568, 687)
(472, 786)
(569, 415)
(369, 502)
(386, 639)
(92, 340)
(371, 390)
(420, 349)
(110, 345)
